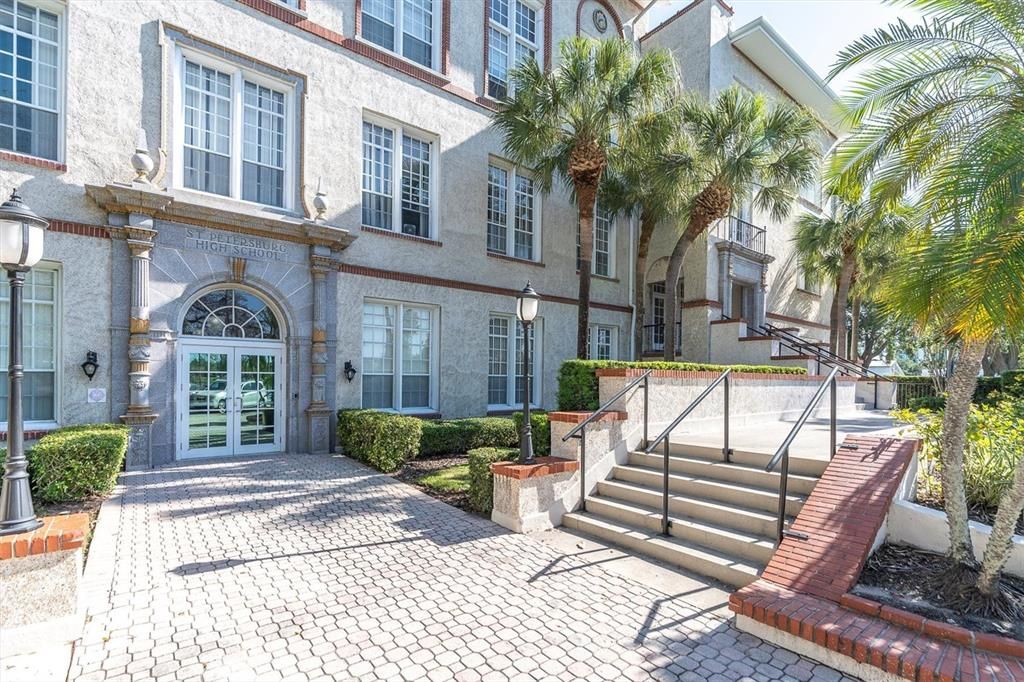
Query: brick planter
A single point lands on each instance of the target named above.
(532, 497)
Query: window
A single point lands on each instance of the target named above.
(381, 176)
(513, 36)
(602, 342)
(520, 213)
(236, 140)
(399, 356)
(40, 345)
(30, 82)
(806, 281)
(811, 192)
(602, 261)
(505, 362)
(410, 21)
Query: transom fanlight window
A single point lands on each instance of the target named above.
(231, 313)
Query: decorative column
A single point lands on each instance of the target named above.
(761, 298)
(725, 274)
(139, 235)
(319, 412)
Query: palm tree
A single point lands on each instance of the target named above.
(839, 245)
(940, 115)
(564, 124)
(739, 144)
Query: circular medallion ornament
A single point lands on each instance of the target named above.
(600, 20)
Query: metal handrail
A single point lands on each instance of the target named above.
(579, 431)
(796, 343)
(783, 452)
(663, 438)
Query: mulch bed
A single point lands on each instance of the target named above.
(415, 469)
(908, 579)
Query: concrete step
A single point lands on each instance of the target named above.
(728, 569)
(738, 518)
(797, 465)
(755, 549)
(721, 471)
(732, 494)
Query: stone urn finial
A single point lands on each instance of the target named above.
(141, 160)
(320, 201)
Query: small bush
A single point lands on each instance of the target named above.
(77, 462)
(463, 435)
(928, 402)
(481, 480)
(577, 381)
(987, 390)
(382, 440)
(541, 428)
(1013, 383)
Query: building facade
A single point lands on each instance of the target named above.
(263, 211)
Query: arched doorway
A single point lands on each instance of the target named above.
(231, 370)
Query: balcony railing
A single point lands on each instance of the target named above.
(741, 232)
(654, 338)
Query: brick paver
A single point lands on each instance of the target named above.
(307, 567)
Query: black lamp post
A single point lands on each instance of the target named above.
(526, 310)
(21, 247)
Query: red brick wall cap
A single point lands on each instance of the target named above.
(705, 374)
(542, 466)
(577, 417)
(57, 534)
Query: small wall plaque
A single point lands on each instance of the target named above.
(96, 395)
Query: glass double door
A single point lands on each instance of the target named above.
(230, 401)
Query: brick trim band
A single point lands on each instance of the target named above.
(57, 534)
(81, 229)
(398, 235)
(543, 466)
(33, 161)
(577, 417)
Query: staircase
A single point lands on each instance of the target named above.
(722, 516)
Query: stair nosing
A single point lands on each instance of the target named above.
(759, 514)
(790, 497)
(727, 465)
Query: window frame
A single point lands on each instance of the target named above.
(396, 368)
(514, 172)
(513, 37)
(61, 11)
(613, 343)
(239, 75)
(435, 36)
(398, 131)
(58, 317)
(537, 357)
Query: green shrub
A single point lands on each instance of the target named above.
(987, 386)
(481, 480)
(77, 462)
(1013, 383)
(994, 446)
(463, 435)
(382, 440)
(577, 381)
(541, 428)
(928, 402)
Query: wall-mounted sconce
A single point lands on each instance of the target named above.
(350, 371)
(90, 365)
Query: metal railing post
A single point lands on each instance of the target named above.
(832, 416)
(876, 394)
(664, 498)
(725, 449)
(647, 382)
(583, 470)
(783, 485)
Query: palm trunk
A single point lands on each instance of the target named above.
(586, 209)
(959, 391)
(647, 225)
(833, 320)
(853, 353)
(675, 267)
(997, 552)
(846, 269)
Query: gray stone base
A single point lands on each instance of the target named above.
(140, 441)
(320, 423)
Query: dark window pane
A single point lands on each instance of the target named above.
(417, 50)
(376, 31)
(262, 184)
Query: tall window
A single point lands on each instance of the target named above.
(505, 362)
(602, 342)
(40, 345)
(29, 79)
(382, 176)
(399, 351)
(520, 213)
(513, 35)
(403, 26)
(602, 261)
(235, 136)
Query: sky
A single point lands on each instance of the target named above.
(817, 29)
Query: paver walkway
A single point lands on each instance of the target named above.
(315, 567)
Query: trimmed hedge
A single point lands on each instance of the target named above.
(985, 388)
(481, 480)
(930, 402)
(463, 435)
(1013, 383)
(541, 428)
(77, 462)
(577, 381)
(382, 440)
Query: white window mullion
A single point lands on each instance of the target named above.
(397, 334)
(237, 86)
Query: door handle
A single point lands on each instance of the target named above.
(239, 404)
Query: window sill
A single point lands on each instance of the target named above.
(384, 53)
(36, 161)
(808, 292)
(513, 259)
(508, 410)
(265, 208)
(606, 278)
(398, 235)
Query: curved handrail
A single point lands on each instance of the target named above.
(685, 413)
(604, 407)
(804, 416)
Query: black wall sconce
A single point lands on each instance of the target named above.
(350, 371)
(90, 365)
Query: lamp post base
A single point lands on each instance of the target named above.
(22, 526)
